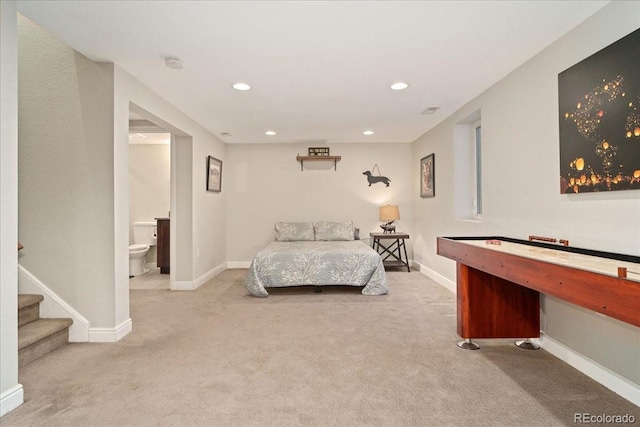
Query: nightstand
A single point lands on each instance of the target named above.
(396, 249)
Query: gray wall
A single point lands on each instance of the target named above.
(521, 185)
(265, 185)
(11, 394)
(66, 172)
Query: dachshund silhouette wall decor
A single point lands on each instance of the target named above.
(373, 179)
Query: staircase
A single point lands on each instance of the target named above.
(36, 336)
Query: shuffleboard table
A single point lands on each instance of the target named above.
(499, 281)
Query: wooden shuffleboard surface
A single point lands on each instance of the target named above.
(596, 264)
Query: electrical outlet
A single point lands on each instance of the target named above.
(197, 252)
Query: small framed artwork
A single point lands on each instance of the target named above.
(318, 151)
(214, 174)
(427, 176)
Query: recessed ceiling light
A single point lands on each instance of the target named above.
(399, 86)
(270, 133)
(241, 86)
(367, 132)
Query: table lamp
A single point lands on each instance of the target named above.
(389, 213)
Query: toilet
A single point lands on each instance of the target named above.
(145, 235)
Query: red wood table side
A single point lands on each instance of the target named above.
(491, 307)
(614, 297)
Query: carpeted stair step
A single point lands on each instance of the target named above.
(28, 308)
(37, 338)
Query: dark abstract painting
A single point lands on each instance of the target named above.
(599, 100)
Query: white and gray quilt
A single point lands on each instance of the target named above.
(318, 263)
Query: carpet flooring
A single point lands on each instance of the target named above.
(220, 357)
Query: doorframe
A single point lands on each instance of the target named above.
(181, 142)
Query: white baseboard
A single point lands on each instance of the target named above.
(613, 381)
(110, 334)
(192, 286)
(53, 305)
(238, 264)
(605, 376)
(439, 278)
(11, 399)
(182, 286)
(209, 275)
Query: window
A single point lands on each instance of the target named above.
(478, 172)
(467, 153)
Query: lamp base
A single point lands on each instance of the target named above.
(388, 227)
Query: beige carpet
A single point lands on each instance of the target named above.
(219, 357)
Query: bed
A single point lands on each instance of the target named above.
(319, 254)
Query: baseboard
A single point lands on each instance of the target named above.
(182, 286)
(238, 264)
(53, 305)
(605, 376)
(192, 286)
(110, 334)
(11, 399)
(209, 275)
(437, 277)
(613, 381)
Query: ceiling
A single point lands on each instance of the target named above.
(149, 138)
(320, 71)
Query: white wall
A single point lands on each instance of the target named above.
(74, 183)
(149, 184)
(201, 213)
(66, 172)
(521, 186)
(149, 181)
(11, 393)
(264, 185)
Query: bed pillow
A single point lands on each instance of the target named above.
(334, 230)
(294, 231)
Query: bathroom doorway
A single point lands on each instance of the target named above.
(149, 195)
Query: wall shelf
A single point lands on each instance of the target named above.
(334, 159)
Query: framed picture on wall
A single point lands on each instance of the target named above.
(427, 176)
(599, 106)
(214, 174)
